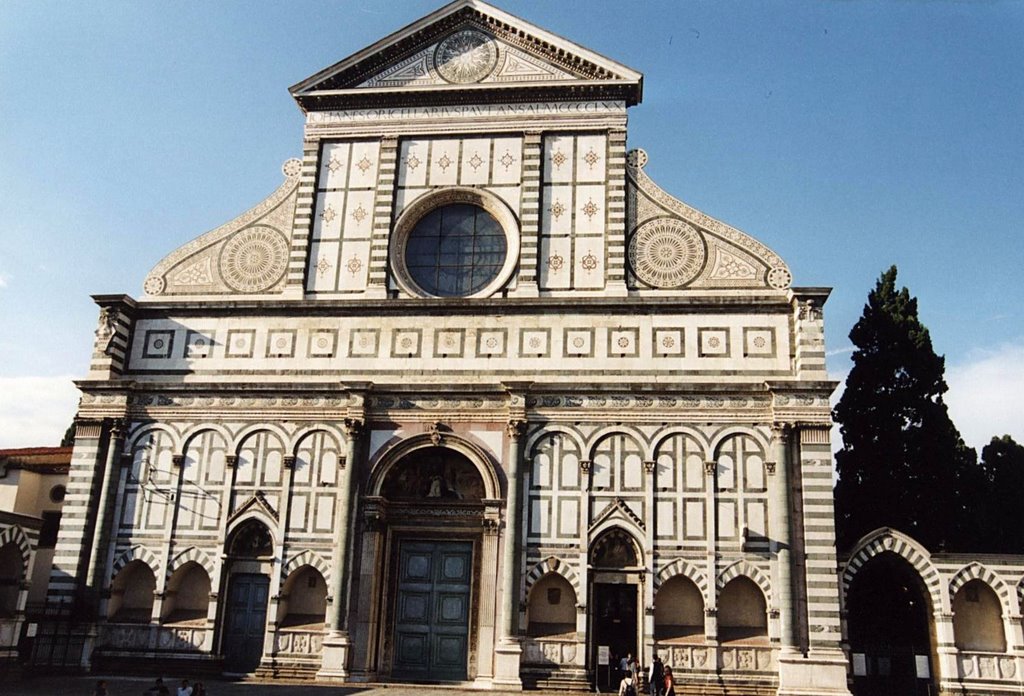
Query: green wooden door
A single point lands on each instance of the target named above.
(431, 640)
(245, 622)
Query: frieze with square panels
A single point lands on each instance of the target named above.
(672, 344)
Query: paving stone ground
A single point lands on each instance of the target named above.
(69, 685)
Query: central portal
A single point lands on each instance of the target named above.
(432, 604)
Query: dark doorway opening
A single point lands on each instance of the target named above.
(615, 625)
(889, 622)
(245, 621)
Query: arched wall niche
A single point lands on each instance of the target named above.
(303, 601)
(679, 611)
(551, 609)
(978, 618)
(131, 594)
(476, 455)
(615, 548)
(187, 596)
(742, 612)
(433, 474)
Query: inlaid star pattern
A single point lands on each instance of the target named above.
(557, 209)
(589, 262)
(328, 214)
(475, 161)
(444, 162)
(590, 208)
(322, 267)
(364, 164)
(555, 263)
(333, 164)
(359, 214)
(558, 158)
(591, 158)
(354, 265)
(412, 161)
(507, 160)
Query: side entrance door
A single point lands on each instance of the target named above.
(431, 640)
(245, 621)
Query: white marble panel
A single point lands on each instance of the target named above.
(590, 208)
(591, 158)
(665, 472)
(556, 210)
(354, 266)
(727, 519)
(538, 517)
(568, 517)
(693, 526)
(476, 161)
(444, 163)
(358, 222)
(694, 473)
(330, 211)
(755, 473)
(588, 264)
(507, 165)
(726, 473)
(324, 512)
(570, 471)
(558, 158)
(510, 194)
(334, 165)
(297, 514)
(541, 475)
(757, 515)
(665, 511)
(322, 274)
(412, 163)
(601, 468)
(363, 164)
(632, 471)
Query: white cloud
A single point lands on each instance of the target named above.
(4, 280)
(35, 411)
(986, 395)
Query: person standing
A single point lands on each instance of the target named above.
(184, 689)
(670, 682)
(656, 676)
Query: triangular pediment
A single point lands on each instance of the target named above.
(467, 45)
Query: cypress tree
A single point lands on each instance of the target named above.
(1002, 530)
(902, 460)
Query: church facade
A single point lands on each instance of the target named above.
(469, 398)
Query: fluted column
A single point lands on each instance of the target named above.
(111, 469)
(780, 507)
(342, 530)
(510, 572)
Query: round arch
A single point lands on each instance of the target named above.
(544, 432)
(242, 435)
(132, 442)
(476, 455)
(195, 433)
(715, 442)
(632, 433)
(665, 435)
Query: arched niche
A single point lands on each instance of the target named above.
(131, 594)
(433, 474)
(187, 597)
(449, 445)
(742, 612)
(251, 539)
(303, 602)
(11, 576)
(977, 619)
(615, 549)
(551, 610)
(679, 611)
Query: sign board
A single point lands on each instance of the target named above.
(603, 654)
(33, 628)
(860, 665)
(921, 663)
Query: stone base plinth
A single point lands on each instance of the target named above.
(334, 659)
(820, 673)
(506, 665)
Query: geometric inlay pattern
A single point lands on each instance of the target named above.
(666, 253)
(466, 56)
(254, 259)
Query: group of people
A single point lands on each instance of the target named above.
(159, 689)
(660, 681)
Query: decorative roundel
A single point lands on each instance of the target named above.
(637, 158)
(254, 259)
(154, 285)
(466, 56)
(291, 167)
(779, 278)
(666, 253)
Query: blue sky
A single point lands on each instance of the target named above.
(847, 136)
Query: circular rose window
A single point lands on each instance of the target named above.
(457, 243)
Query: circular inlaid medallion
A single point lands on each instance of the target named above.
(779, 277)
(254, 259)
(666, 253)
(466, 56)
(154, 285)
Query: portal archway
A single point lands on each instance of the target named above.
(250, 558)
(890, 628)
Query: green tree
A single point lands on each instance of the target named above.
(902, 461)
(1002, 525)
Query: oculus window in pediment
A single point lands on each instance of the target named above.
(467, 56)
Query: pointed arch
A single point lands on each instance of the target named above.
(751, 572)
(254, 512)
(889, 540)
(310, 558)
(681, 566)
(138, 552)
(17, 536)
(977, 571)
(192, 554)
(553, 565)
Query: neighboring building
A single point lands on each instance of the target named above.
(33, 483)
(469, 398)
